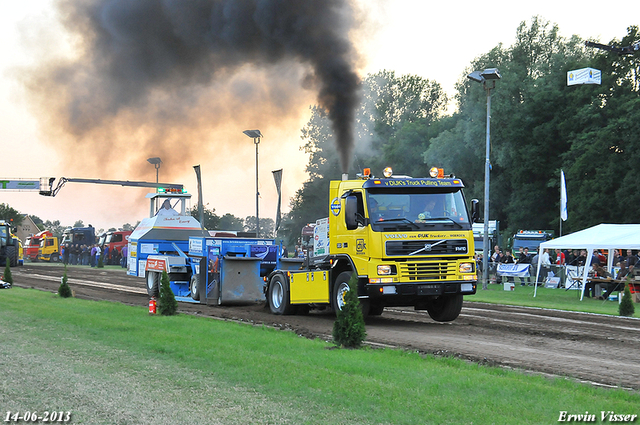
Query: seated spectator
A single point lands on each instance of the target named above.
(631, 259)
(622, 273)
(600, 273)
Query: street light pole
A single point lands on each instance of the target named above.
(156, 163)
(487, 171)
(256, 135)
(491, 74)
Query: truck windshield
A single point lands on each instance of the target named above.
(532, 242)
(3, 235)
(415, 209)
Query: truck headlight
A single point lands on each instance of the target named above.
(386, 270)
(466, 268)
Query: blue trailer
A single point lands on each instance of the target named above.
(201, 268)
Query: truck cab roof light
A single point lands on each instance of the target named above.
(436, 172)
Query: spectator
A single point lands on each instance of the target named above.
(569, 257)
(622, 273)
(545, 263)
(534, 263)
(617, 257)
(65, 255)
(105, 255)
(525, 258)
(85, 255)
(495, 259)
(73, 254)
(631, 260)
(507, 258)
(479, 264)
(560, 258)
(93, 255)
(123, 261)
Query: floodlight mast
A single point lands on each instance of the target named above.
(256, 135)
(489, 74)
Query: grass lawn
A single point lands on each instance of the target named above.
(114, 364)
(559, 299)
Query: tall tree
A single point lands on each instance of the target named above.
(54, 227)
(211, 219)
(532, 120)
(231, 222)
(10, 215)
(266, 226)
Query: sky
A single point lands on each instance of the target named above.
(435, 40)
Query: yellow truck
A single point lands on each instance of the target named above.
(408, 240)
(49, 249)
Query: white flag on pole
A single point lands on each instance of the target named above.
(563, 197)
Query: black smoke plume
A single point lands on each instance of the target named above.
(137, 53)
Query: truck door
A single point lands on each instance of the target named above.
(356, 235)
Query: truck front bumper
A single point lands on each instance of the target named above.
(406, 294)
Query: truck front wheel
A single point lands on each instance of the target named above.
(340, 287)
(278, 296)
(445, 308)
(153, 283)
(193, 286)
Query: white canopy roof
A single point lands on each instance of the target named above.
(602, 236)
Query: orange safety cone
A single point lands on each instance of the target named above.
(152, 305)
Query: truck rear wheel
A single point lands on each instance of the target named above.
(445, 308)
(12, 255)
(278, 296)
(153, 279)
(193, 287)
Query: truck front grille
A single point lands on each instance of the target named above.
(440, 270)
(426, 247)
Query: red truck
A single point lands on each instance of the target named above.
(115, 240)
(32, 244)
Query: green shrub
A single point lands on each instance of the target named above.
(626, 307)
(100, 262)
(7, 277)
(167, 304)
(348, 329)
(63, 290)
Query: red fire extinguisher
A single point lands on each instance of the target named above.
(152, 305)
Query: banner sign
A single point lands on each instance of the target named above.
(19, 184)
(584, 76)
(517, 270)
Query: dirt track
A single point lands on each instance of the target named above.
(591, 348)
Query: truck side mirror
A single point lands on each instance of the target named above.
(351, 212)
(475, 211)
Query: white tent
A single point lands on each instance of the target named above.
(602, 236)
